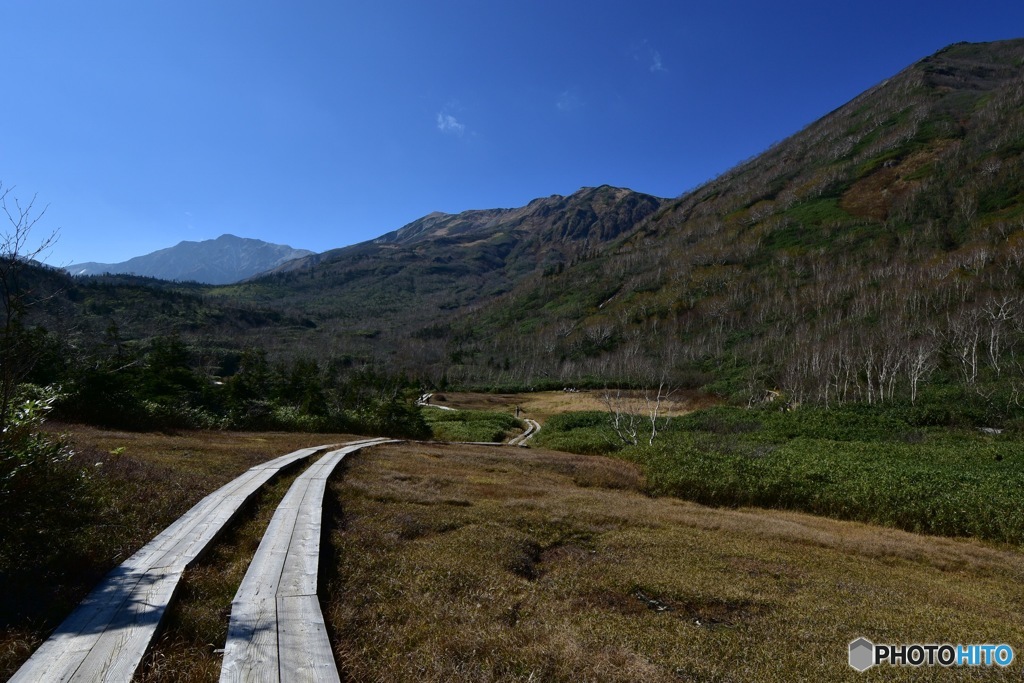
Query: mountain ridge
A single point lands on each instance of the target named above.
(223, 260)
(893, 224)
(442, 262)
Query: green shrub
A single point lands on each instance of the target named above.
(44, 498)
(470, 425)
(720, 420)
(161, 415)
(858, 462)
(588, 433)
(871, 463)
(388, 418)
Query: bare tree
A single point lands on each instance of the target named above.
(654, 404)
(622, 410)
(962, 335)
(637, 414)
(920, 361)
(1000, 314)
(17, 354)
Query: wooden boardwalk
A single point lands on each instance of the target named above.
(532, 427)
(277, 630)
(106, 637)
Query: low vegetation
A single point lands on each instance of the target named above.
(463, 564)
(164, 384)
(468, 563)
(471, 425)
(878, 465)
(46, 498)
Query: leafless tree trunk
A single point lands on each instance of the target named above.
(17, 356)
(624, 418)
(1000, 313)
(963, 335)
(654, 405)
(635, 414)
(920, 363)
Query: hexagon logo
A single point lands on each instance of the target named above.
(862, 654)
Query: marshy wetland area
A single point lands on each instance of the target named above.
(459, 562)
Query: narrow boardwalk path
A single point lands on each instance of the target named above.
(532, 427)
(424, 402)
(106, 637)
(277, 630)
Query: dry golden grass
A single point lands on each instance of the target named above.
(217, 454)
(541, 405)
(501, 564)
(461, 563)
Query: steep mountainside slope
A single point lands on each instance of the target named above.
(877, 252)
(419, 274)
(881, 243)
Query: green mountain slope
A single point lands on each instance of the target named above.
(869, 256)
(417, 276)
(892, 226)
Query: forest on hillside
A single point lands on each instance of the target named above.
(873, 257)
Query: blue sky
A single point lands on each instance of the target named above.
(315, 123)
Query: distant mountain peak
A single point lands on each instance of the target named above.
(219, 261)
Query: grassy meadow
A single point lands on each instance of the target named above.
(471, 425)
(850, 463)
(462, 564)
(467, 563)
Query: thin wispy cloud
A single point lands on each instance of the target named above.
(448, 124)
(568, 101)
(646, 54)
(656, 64)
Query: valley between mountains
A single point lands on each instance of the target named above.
(779, 412)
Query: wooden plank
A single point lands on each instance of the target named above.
(532, 427)
(285, 568)
(177, 541)
(60, 656)
(299, 573)
(106, 633)
(288, 459)
(143, 559)
(251, 650)
(306, 653)
(106, 636)
(117, 652)
(199, 531)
